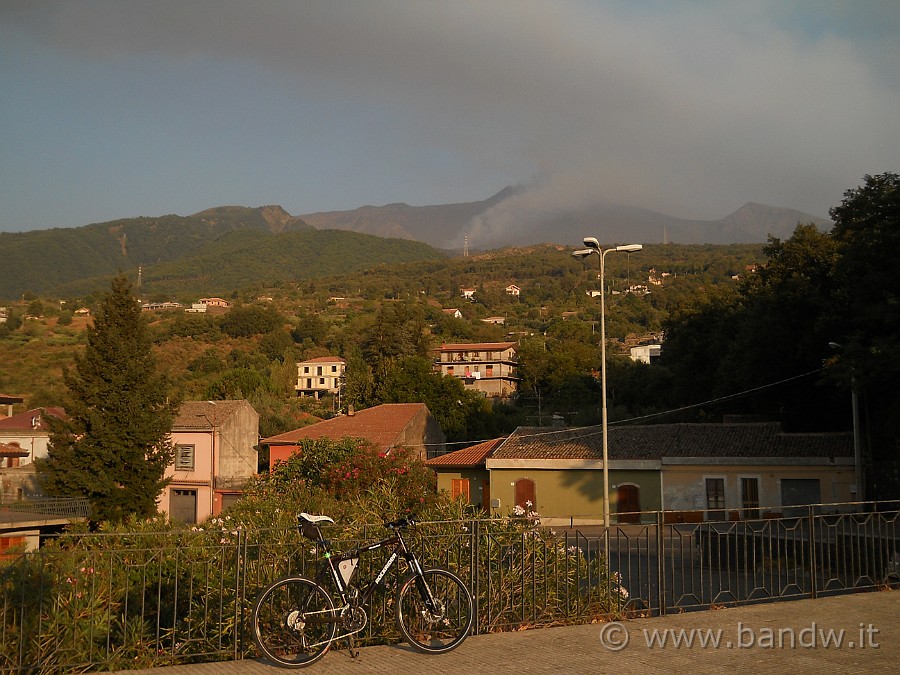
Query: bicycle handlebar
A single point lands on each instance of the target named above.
(400, 523)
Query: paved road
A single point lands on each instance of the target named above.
(803, 636)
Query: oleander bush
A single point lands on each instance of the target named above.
(148, 593)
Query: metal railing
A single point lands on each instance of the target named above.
(147, 599)
(60, 508)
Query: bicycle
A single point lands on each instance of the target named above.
(296, 620)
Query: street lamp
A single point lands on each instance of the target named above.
(593, 246)
(857, 450)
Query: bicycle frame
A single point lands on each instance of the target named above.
(348, 599)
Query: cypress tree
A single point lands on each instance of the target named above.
(114, 446)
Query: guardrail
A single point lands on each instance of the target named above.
(61, 507)
(148, 599)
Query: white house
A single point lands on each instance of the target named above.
(322, 375)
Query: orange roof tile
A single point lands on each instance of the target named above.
(472, 456)
(382, 425)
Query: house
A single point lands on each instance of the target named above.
(196, 308)
(454, 312)
(512, 289)
(215, 455)
(691, 472)
(9, 401)
(467, 293)
(463, 475)
(322, 375)
(214, 302)
(496, 320)
(487, 367)
(30, 430)
(646, 353)
(388, 426)
(23, 438)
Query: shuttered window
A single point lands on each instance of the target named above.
(184, 457)
(459, 489)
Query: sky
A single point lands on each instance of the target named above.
(122, 108)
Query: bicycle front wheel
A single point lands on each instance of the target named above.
(293, 622)
(438, 626)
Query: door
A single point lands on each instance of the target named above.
(798, 492)
(486, 495)
(525, 494)
(628, 503)
(183, 506)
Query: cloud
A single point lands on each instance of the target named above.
(687, 108)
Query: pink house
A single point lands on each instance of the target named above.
(215, 455)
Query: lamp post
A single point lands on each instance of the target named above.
(593, 246)
(857, 450)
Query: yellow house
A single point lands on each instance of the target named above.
(462, 473)
(688, 471)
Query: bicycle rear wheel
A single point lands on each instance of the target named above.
(444, 626)
(293, 622)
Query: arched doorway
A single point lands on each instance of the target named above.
(628, 503)
(525, 493)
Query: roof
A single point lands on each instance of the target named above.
(205, 414)
(324, 359)
(381, 424)
(477, 346)
(656, 441)
(470, 457)
(30, 420)
(12, 450)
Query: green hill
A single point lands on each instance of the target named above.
(216, 249)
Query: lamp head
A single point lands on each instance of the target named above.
(592, 243)
(583, 253)
(630, 248)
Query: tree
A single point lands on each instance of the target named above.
(114, 446)
(865, 320)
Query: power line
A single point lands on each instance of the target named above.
(569, 430)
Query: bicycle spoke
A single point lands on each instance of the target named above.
(291, 623)
(437, 627)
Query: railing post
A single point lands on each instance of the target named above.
(811, 539)
(240, 592)
(475, 560)
(661, 562)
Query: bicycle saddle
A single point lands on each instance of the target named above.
(316, 519)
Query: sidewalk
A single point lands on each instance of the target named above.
(802, 636)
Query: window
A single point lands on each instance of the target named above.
(184, 457)
(459, 489)
(305, 370)
(715, 498)
(333, 369)
(750, 497)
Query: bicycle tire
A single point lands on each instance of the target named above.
(440, 632)
(280, 630)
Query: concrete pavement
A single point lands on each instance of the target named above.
(858, 633)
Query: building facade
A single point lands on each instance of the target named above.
(487, 367)
(322, 375)
(215, 455)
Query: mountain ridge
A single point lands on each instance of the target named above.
(77, 259)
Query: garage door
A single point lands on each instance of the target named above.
(183, 506)
(799, 492)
